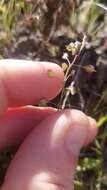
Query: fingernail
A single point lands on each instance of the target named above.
(75, 138)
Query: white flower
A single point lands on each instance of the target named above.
(77, 44)
(65, 56)
(72, 88)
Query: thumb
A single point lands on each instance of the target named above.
(48, 157)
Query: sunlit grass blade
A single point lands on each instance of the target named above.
(101, 121)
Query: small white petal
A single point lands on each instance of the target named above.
(65, 56)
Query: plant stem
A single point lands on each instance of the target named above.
(67, 74)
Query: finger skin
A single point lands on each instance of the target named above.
(17, 123)
(92, 130)
(28, 82)
(43, 160)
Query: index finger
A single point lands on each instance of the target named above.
(28, 82)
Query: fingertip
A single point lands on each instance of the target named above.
(77, 132)
(44, 80)
(55, 77)
(92, 130)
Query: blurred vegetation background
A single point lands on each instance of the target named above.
(40, 30)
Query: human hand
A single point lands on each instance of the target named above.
(50, 140)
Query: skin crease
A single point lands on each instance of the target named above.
(50, 140)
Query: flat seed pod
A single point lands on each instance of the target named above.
(64, 66)
(89, 68)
